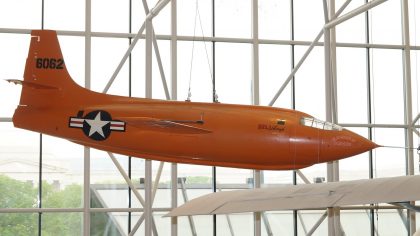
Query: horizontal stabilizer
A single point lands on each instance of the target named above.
(30, 84)
(147, 123)
(305, 196)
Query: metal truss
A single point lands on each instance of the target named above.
(332, 19)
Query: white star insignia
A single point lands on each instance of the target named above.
(96, 125)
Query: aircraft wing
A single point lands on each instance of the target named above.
(148, 123)
(305, 196)
(30, 84)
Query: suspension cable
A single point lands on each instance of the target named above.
(192, 55)
(197, 14)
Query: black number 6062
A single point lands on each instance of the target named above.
(49, 63)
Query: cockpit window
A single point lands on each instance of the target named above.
(281, 122)
(315, 123)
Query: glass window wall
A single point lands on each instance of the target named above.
(41, 171)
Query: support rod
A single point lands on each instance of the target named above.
(149, 17)
(257, 215)
(148, 214)
(302, 176)
(408, 102)
(302, 222)
(185, 196)
(124, 59)
(232, 233)
(174, 93)
(354, 13)
(157, 179)
(267, 224)
(317, 224)
(86, 154)
(157, 54)
(415, 120)
(135, 192)
(126, 178)
(174, 197)
(404, 219)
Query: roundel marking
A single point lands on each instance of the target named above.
(96, 125)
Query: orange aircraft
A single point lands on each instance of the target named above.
(213, 134)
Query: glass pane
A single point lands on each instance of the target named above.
(24, 14)
(62, 173)
(415, 83)
(233, 18)
(352, 30)
(203, 225)
(186, 17)
(277, 178)
(351, 85)
(14, 49)
(310, 83)
(389, 161)
(138, 74)
(197, 181)
(242, 224)
(158, 91)
(162, 22)
(19, 167)
(137, 177)
(273, 19)
(308, 18)
(385, 23)
(163, 193)
(109, 223)
(63, 223)
(17, 194)
(390, 223)
(275, 67)
(318, 171)
(351, 218)
(414, 14)
(306, 219)
(229, 176)
(135, 216)
(280, 223)
(64, 14)
(387, 86)
(18, 224)
(108, 188)
(228, 179)
(106, 55)
(110, 16)
(417, 217)
(163, 224)
(137, 15)
(233, 73)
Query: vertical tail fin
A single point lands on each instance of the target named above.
(46, 80)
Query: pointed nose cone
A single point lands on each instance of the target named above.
(342, 144)
(369, 145)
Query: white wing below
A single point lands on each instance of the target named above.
(306, 196)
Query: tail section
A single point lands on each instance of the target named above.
(49, 95)
(46, 80)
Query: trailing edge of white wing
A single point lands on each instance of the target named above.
(306, 196)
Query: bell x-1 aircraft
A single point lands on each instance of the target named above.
(214, 134)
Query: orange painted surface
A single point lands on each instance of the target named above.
(214, 134)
